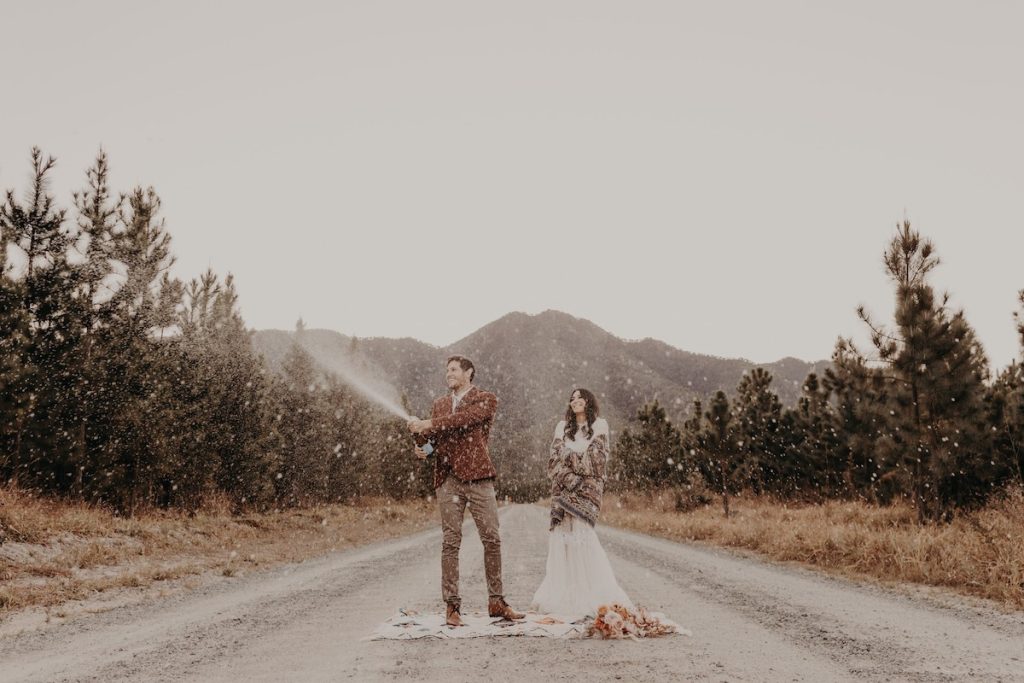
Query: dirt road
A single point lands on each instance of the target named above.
(751, 621)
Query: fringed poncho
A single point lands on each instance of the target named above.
(576, 468)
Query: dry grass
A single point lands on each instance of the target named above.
(54, 551)
(979, 553)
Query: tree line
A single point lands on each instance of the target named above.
(919, 417)
(123, 385)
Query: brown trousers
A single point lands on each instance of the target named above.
(452, 498)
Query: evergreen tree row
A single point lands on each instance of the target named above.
(123, 385)
(919, 418)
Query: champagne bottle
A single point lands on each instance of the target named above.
(424, 443)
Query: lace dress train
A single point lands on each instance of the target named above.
(579, 577)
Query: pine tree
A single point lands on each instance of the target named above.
(653, 455)
(242, 393)
(225, 411)
(97, 221)
(348, 476)
(938, 370)
(720, 443)
(694, 440)
(147, 299)
(146, 374)
(302, 447)
(813, 442)
(861, 404)
(1004, 403)
(822, 427)
(1004, 406)
(757, 412)
(14, 374)
(35, 229)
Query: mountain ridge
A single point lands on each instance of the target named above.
(550, 341)
(532, 363)
(547, 312)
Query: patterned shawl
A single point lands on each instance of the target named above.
(577, 478)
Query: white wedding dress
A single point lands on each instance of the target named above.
(579, 577)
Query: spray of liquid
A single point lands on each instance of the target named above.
(376, 390)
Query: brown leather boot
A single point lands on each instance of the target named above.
(451, 615)
(497, 607)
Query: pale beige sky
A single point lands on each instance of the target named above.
(723, 176)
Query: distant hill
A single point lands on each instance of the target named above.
(532, 362)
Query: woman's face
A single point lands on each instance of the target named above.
(577, 402)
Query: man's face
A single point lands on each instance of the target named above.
(456, 377)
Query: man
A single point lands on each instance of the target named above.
(459, 425)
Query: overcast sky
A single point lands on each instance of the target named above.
(723, 176)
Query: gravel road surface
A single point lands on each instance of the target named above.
(751, 621)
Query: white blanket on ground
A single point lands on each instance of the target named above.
(408, 625)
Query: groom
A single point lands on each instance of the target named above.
(459, 425)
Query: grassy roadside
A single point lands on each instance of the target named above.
(53, 552)
(979, 553)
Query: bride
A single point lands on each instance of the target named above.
(579, 578)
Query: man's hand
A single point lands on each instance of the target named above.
(420, 454)
(419, 426)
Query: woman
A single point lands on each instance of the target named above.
(579, 578)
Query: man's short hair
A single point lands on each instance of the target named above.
(464, 363)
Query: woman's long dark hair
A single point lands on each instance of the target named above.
(591, 411)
